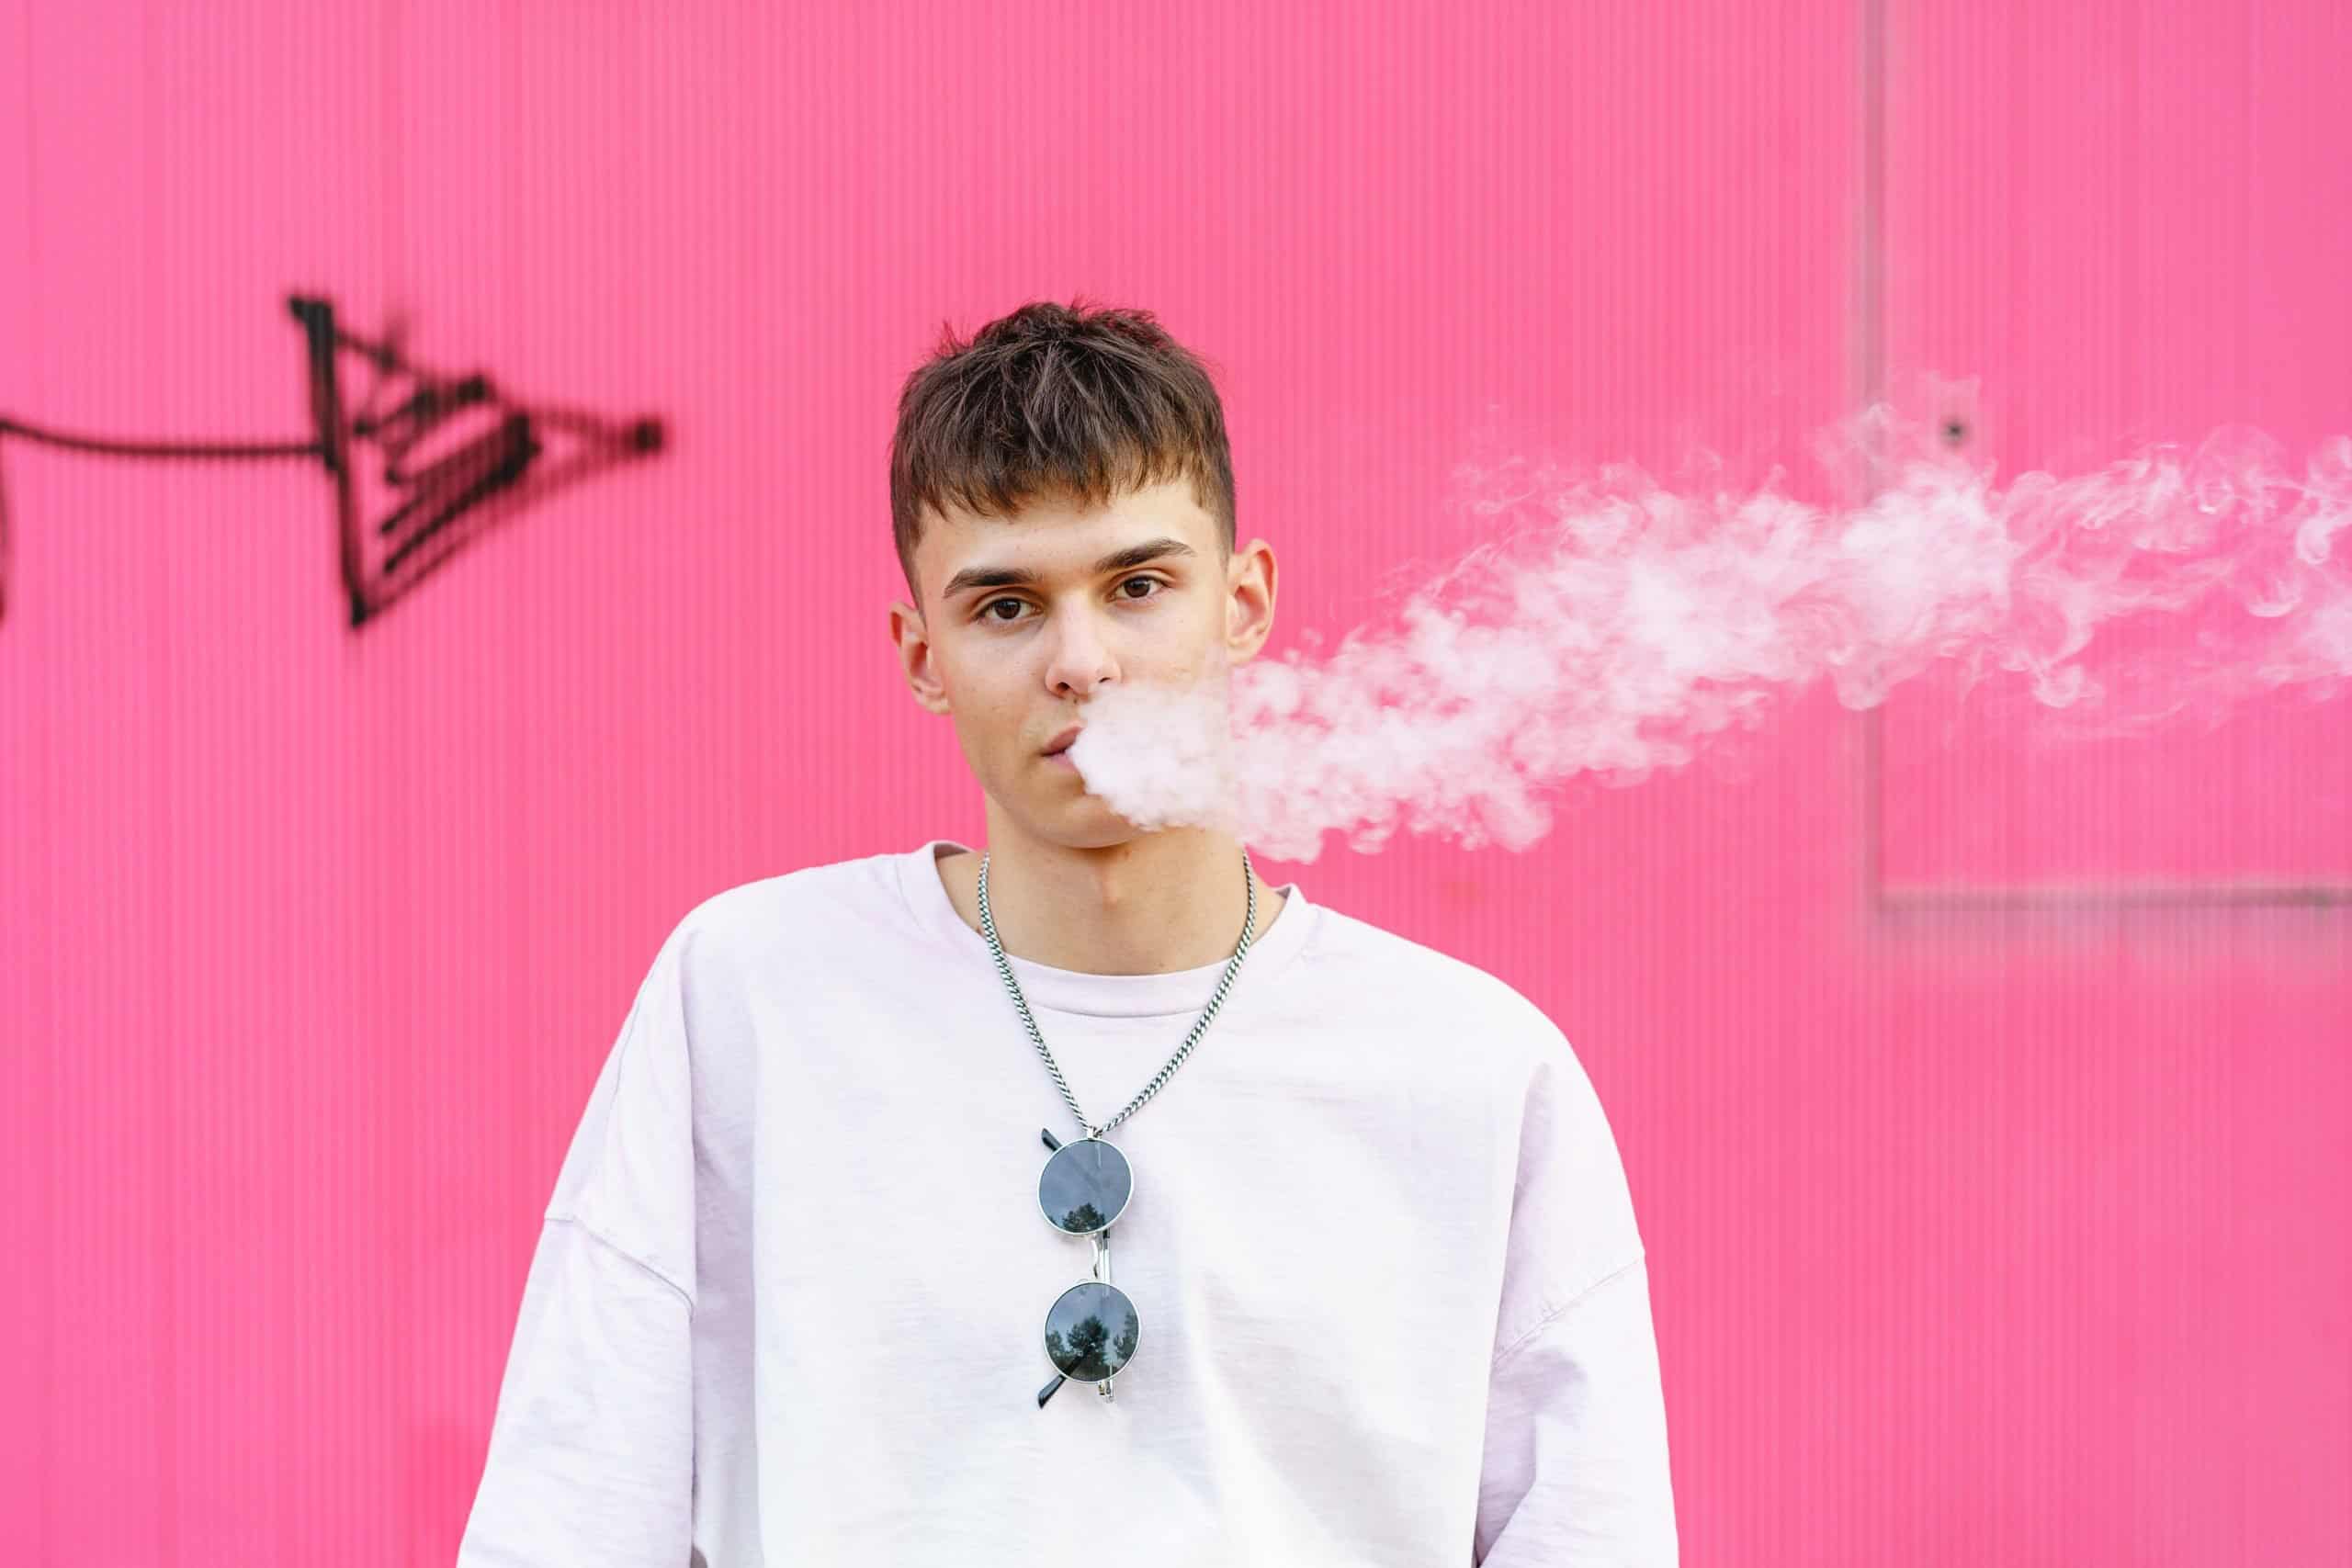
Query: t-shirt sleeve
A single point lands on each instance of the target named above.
(591, 1456)
(1576, 1463)
(1574, 1473)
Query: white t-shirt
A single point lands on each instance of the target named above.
(788, 1304)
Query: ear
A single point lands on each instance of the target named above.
(912, 641)
(1249, 601)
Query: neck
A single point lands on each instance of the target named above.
(1163, 901)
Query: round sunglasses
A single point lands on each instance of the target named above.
(1090, 1329)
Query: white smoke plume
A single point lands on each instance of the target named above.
(1616, 625)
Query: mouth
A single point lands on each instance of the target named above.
(1061, 742)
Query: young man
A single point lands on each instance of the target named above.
(844, 1190)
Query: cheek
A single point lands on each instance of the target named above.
(989, 713)
(1205, 662)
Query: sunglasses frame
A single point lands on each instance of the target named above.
(1101, 1237)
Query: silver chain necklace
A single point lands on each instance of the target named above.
(1233, 966)
(1093, 1328)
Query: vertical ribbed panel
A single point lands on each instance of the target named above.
(1993, 1240)
(2115, 1186)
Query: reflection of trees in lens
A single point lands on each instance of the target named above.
(1085, 1217)
(1087, 1338)
(1084, 1187)
(1081, 1356)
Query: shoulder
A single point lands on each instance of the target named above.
(1411, 980)
(806, 909)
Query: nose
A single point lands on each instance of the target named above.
(1081, 661)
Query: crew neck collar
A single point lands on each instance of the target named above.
(1180, 991)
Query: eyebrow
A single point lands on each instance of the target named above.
(1015, 577)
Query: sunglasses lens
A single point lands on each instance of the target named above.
(1091, 1332)
(1085, 1186)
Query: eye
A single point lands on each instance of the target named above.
(984, 610)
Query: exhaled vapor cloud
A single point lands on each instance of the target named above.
(1630, 623)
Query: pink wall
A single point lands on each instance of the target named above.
(1978, 1235)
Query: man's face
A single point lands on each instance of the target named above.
(1024, 619)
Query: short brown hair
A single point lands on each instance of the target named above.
(1054, 402)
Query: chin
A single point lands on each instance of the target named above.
(1094, 826)
(1086, 822)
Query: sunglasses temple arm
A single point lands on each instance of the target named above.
(1103, 1272)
